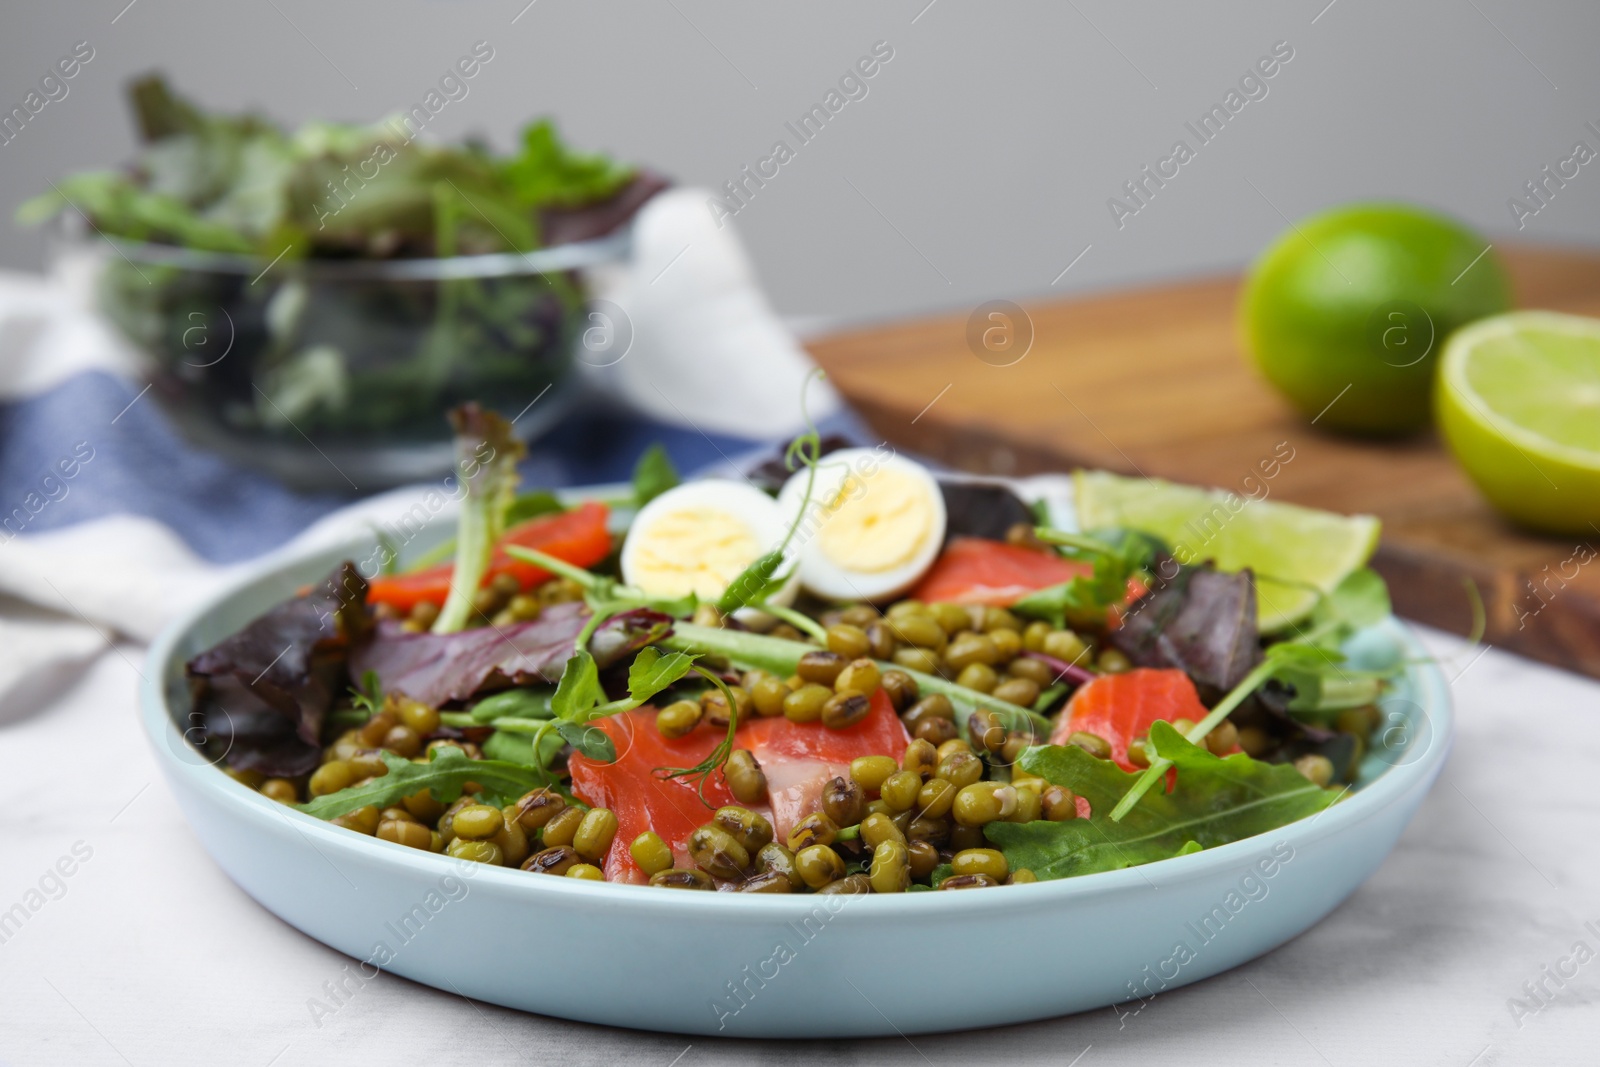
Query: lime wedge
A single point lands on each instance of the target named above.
(1519, 405)
(1296, 553)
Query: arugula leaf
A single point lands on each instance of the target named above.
(653, 475)
(1311, 665)
(1236, 696)
(758, 582)
(1217, 799)
(1056, 603)
(1288, 660)
(443, 776)
(487, 452)
(1321, 692)
(1116, 555)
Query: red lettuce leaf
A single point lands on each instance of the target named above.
(439, 668)
(773, 472)
(982, 509)
(625, 633)
(1202, 622)
(564, 225)
(263, 692)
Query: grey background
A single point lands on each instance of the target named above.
(978, 165)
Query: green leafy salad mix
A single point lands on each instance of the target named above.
(657, 689)
(285, 282)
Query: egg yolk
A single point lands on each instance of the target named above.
(877, 522)
(699, 551)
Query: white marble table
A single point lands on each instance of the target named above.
(146, 954)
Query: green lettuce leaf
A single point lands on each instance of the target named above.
(546, 173)
(487, 452)
(1217, 799)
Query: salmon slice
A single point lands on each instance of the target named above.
(1121, 707)
(798, 760)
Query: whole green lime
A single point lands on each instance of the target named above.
(1346, 312)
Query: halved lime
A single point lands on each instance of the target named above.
(1519, 404)
(1296, 553)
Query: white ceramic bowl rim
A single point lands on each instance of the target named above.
(1430, 693)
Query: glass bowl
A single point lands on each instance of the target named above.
(337, 374)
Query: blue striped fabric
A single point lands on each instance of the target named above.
(130, 460)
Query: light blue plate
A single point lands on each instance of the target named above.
(785, 966)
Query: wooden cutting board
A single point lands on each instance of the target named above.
(1153, 382)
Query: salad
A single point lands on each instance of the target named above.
(842, 673)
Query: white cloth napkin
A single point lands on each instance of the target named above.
(707, 352)
(707, 349)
